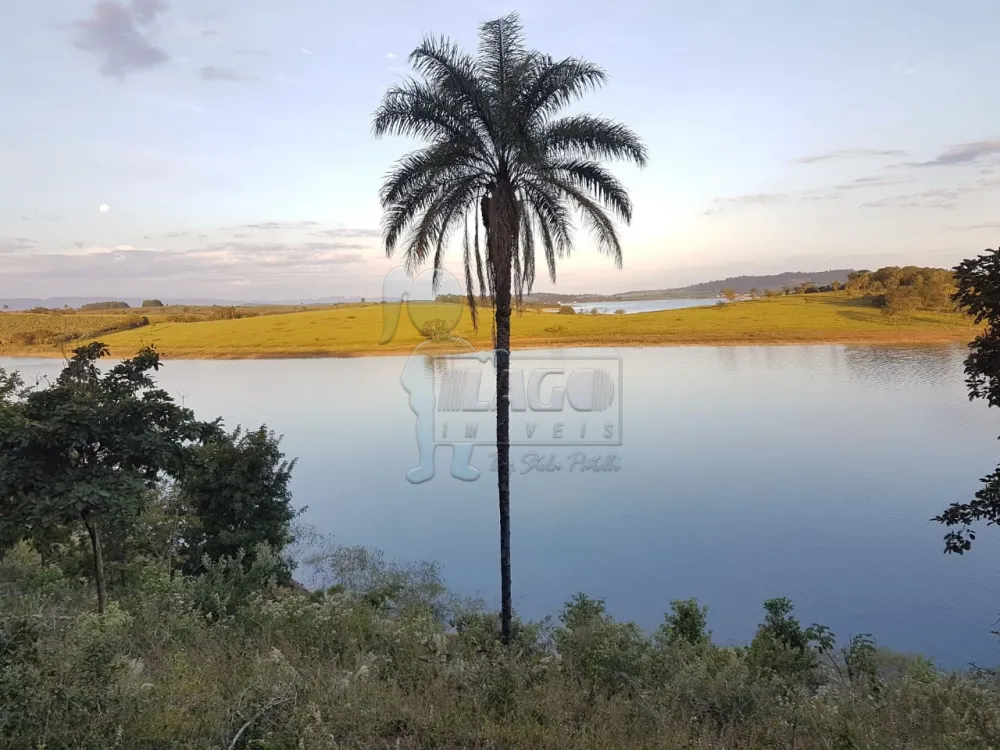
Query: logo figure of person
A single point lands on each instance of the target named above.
(427, 360)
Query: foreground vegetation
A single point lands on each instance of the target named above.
(355, 330)
(383, 657)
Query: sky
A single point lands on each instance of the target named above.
(229, 142)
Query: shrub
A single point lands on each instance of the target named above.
(436, 329)
(566, 310)
(152, 303)
(105, 306)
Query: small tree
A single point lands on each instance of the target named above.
(729, 294)
(152, 303)
(978, 293)
(236, 485)
(836, 287)
(900, 302)
(87, 450)
(782, 646)
(687, 622)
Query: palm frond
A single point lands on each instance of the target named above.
(589, 137)
(425, 165)
(501, 48)
(556, 84)
(408, 206)
(454, 73)
(597, 180)
(437, 218)
(595, 219)
(420, 110)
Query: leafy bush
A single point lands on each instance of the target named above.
(437, 329)
(111, 305)
(22, 338)
(152, 303)
(566, 310)
(277, 667)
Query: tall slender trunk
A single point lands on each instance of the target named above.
(501, 221)
(502, 313)
(95, 545)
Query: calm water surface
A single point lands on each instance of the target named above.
(745, 473)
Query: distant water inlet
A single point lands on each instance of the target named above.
(733, 475)
(641, 306)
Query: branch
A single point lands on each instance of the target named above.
(267, 707)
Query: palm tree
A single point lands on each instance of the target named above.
(498, 153)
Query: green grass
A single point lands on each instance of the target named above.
(195, 663)
(355, 330)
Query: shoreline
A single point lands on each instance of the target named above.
(907, 338)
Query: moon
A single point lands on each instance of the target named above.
(104, 208)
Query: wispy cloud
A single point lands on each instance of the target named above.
(943, 198)
(227, 75)
(219, 261)
(860, 183)
(962, 153)
(985, 225)
(852, 153)
(757, 199)
(121, 36)
(275, 226)
(341, 232)
(16, 244)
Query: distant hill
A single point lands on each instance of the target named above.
(26, 303)
(743, 284)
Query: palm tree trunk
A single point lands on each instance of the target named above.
(95, 544)
(502, 315)
(500, 219)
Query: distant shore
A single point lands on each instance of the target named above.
(355, 330)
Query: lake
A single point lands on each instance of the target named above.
(643, 305)
(745, 473)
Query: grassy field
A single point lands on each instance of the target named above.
(355, 330)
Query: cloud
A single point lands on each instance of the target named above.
(343, 232)
(852, 153)
(119, 35)
(390, 55)
(212, 73)
(985, 225)
(861, 183)
(962, 153)
(218, 262)
(274, 226)
(943, 198)
(758, 199)
(16, 244)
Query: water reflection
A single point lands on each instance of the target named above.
(746, 473)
